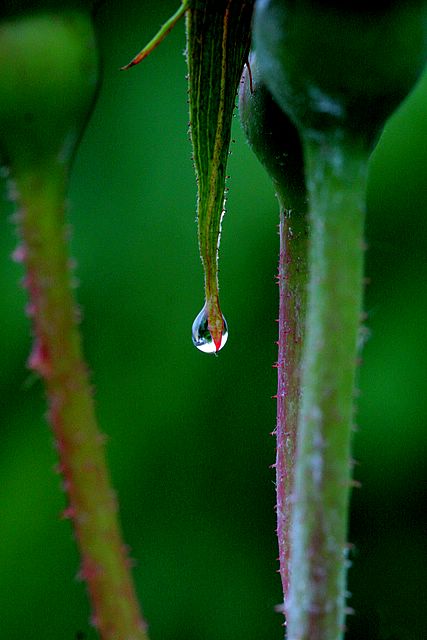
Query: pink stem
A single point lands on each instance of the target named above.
(292, 277)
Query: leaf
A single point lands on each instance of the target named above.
(218, 38)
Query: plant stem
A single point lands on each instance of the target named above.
(292, 280)
(336, 171)
(57, 357)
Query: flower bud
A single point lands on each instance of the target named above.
(273, 138)
(48, 81)
(335, 66)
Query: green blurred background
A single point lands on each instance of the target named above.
(189, 442)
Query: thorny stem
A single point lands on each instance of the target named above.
(315, 608)
(57, 357)
(292, 281)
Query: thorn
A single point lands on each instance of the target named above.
(19, 254)
(349, 547)
(69, 513)
(94, 621)
(130, 562)
(39, 360)
(30, 309)
(101, 438)
(90, 570)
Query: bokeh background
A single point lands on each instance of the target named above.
(189, 442)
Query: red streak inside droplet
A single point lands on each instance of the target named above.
(217, 342)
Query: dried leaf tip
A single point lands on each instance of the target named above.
(159, 37)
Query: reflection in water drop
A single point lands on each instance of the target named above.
(201, 335)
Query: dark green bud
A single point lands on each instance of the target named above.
(48, 81)
(273, 138)
(334, 66)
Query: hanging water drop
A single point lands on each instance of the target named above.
(201, 335)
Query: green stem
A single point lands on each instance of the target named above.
(57, 357)
(292, 280)
(315, 609)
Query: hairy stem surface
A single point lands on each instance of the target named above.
(57, 357)
(315, 609)
(292, 280)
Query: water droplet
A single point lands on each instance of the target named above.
(201, 335)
